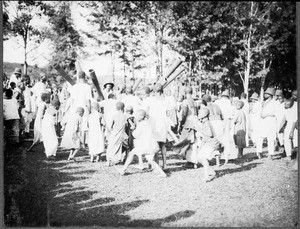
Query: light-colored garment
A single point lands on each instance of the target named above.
(268, 129)
(38, 89)
(71, 136)
(156, 108)
(96, 136)
(50, 140)
(81, 93)
(145, 142)
(37, 128)
(110, 110)
(10, 109)
(239, 128)
(131, 100)
(255, 121)
(117, 136)
(171, 109)
(225, 106)
(279, 113)
(291, 117)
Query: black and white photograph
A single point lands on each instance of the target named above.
(150, 114)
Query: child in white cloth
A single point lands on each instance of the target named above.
(50, 141)
(71, 137)
(144, 144)
(96, 136)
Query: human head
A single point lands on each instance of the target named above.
(12, 85)
(120, 106)
(158, 88)
(239, 104)
(145, 91)
(111, 96)
(80, 111)
(18, 72)
(225, 94)
(8, 93)
(206, 98)
(254, 97)
(81, 75)
(129, 109)
(269, 93)
(55, 103)
(140, 115)
(203, 114)
(128, 90)
(288, 103)
(95, 106)
(188, 90)
(45, 97)
(243, 95)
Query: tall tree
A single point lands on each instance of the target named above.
(20, 16)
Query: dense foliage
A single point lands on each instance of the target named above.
(243, 45)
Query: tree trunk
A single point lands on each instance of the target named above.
(248, 66)
(113, 65)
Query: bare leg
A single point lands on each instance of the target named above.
(217, 160)
(163, 150)
(140, 158)
(75, 151)
(70, 155)
(127, 162)
(208, 172)
(157, 168)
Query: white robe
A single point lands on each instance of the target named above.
(49, 134)
(96, 136)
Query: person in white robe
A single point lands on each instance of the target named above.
(269, 123)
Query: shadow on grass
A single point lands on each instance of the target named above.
(99, 213)
(224, 172)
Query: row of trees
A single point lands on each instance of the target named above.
(236, 44)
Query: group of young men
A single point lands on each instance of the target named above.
(174, 112)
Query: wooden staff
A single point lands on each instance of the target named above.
(96, 83)
(175, 65)
(62, 72)
(173, 77)
(136, 84)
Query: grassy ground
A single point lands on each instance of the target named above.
(246, 193)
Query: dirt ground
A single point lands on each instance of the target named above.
(249, 192)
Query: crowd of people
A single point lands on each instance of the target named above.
(146, 121)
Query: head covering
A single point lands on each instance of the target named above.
(270, 91)
(254, 96)
(203, 112)
(18, 71)
(108, 82)
(206, 98)
(158, 87)
(278, 92)
(81, 75)
(225, 93)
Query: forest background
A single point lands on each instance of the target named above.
(244, 46)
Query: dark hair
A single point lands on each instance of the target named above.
(12, 84)
(45, 96)
(8, 93)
